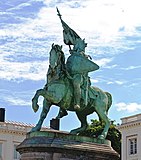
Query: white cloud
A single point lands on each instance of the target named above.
(119, 82)
(17, 101)
(19, 98)
(27, 70)
(98, 30)
(129, 107)
(105, 17)
(110, 82)
(20, 6)
(21, 101)
(103, 62)
(111, 66)
(131, 67)
(94, 81)
(102, 13)
(99, 22)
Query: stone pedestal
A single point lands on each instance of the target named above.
(56, 145)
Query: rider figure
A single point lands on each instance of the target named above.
(78, 65)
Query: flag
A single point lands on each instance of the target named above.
(69, 35)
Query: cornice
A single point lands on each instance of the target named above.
(129, 125)
(6, 131)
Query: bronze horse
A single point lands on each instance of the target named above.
(59, 91)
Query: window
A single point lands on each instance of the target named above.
(0, 151)
(16, 154)
(133, 146)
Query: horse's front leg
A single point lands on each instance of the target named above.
(46, 107)
(35, 106)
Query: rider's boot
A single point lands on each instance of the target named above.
(77, 97)
(77, 81)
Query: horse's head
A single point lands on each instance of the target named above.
(56, 55)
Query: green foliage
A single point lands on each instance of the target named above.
(95, 129)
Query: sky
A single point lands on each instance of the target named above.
(112, 30)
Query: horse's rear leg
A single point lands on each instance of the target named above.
(83, 119)
(46, 107)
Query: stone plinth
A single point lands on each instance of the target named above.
(56, 145)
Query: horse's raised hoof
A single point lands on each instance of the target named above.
(35, 107)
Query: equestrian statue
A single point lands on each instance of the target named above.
(69, 87)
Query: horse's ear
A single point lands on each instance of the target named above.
(61, 46)
(52, 44)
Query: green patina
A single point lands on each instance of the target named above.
(67, 137)
(68, 84)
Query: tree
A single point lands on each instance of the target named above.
(95, 129)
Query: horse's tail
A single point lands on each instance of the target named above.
(109, 101)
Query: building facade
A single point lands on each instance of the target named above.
(131, 137)
(11, 135)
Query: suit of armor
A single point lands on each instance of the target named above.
(78, 65)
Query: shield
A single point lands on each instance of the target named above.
(78, 64)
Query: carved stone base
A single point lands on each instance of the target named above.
(56, 145)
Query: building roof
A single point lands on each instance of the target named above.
(130, 121)
(17, 127)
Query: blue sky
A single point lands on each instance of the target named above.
(112, 29)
